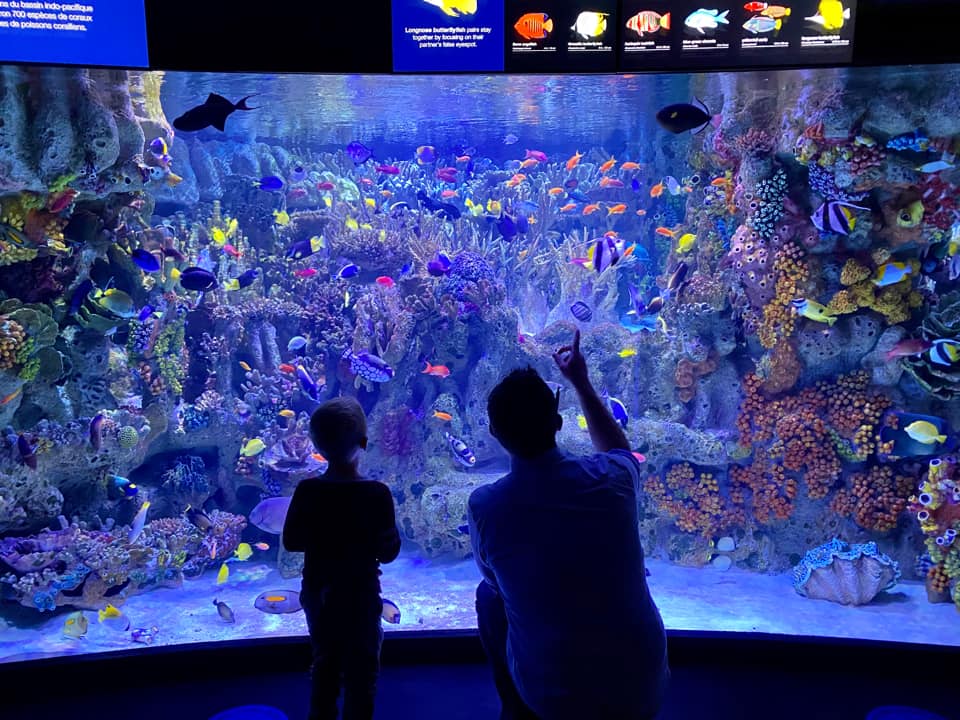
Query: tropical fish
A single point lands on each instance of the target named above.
(890, 273)
(537, 155)
(455, 8)
(693, 116)
(145, 636)
(287, 413)
(582, 422)
(630, 166)
(28, 452)
(439, 415)
(326, 186)
(666, 232)
(124, 485)
(348, 271)
(813, 311)
(113, 618)
(144, 260)
(198, 517)
(835, 217)
(277, 602)
(232, 251)
(390, 612)
(935, 167)
(608, 166)
(534, 26)
(609, 182)
(657, 190)
(297, 342)
(618, 410)
(627, 353)
(925, 432)
(223, 610)
(648, 22)
(269, 183)
(223, 574)
(590, 24)
(440, 265)
(581, 311)
(461, 452)
(214, 112)
(197, 279)
(945, 352)
(261, 546)
(305, 248)
(243, 552)
(368, 367)
(702, 20)
(253, 447)
(270, 514)
(281, 218)
(911, 216)
(605, 254)
(908, 348)
(574, 160)
(440, 371)
(308, 384)
(96, 431)
(426, 154)
(75, 626)
(451, 211)
(286, 368)
(591, 208)
(136, 527)
(10, 396)
(686, 242)
(776, 12)
(753, 7)
(762, 24)
(831, 15)
(569, 207)
(246, 279)
(387, 169)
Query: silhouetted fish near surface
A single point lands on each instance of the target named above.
(213, 112)
(693, 116)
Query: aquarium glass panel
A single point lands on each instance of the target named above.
(763, 267)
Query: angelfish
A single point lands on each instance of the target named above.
(136, 527)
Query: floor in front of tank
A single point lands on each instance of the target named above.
(435, 596)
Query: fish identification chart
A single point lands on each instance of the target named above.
(448, 35)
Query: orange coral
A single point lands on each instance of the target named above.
(693, 499)
(938, 579)
(687, 374)
(880, 497)
(783, 368)
(771, 491)
(779, 318)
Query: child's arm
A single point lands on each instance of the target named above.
(388, 539)
(296, 523)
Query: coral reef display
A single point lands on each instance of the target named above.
(769, 305)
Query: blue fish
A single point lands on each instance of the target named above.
(270, 182)
(146, 312)
(307, 383)
(348, 271)
(245, 280)
(577, 196)
(523, 225)
(197, 279)
(297, 342)
(144, 260)
(358, 152)
(635, 185)
(440, 265)
(507, 227)
(618, 410)
(79, 295)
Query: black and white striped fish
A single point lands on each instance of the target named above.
(461, 452)
(835, 217)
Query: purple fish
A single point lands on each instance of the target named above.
(28, 453)
(439, 266)
(270, 514)
(198, 279)
(146, 261)
(307, 383)
(507, 227)
(270, 182)
(96, 432)
(605, 254)
(358, 152)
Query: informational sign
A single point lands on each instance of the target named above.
(566, 36)
(707, 35)
(448, 35)
(91, 32)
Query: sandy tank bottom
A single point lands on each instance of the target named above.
(436, 597)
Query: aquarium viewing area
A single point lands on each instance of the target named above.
(762, 259)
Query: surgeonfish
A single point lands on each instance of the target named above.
(243, 552)
(223, 574)
(113, 618)
(277, 602)
(224, 611)
(390, 612)
(136, 527)
(618, 410)
(270, 514)
(253, 447)
(925, 432)
(890, 273)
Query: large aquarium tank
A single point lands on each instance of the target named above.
(763, 267)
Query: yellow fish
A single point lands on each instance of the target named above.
(218, 236)
(114, 619)
(627, 353)
(455, 8)
(686, 242)
(582, 422)
(223, 574)
(245, 366)
(352, 224)
(925, 432)
(232, 228)
(287, 413)
(281, 218)
(366, 226)
(174, 274)
(813, 311)
(494, 207)
(328, 201)
(75, 625)
(243, 551)
(831, 14)
(370, 202)
(253, 447)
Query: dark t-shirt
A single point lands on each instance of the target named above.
(345, 528)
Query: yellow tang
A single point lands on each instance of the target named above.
(627, 353)
(219, 237)
(582, 422)
(925, 432)
(253, 447)
(223, 574)
(352, 224)
(685, 243)
(281, 217)
(287, 413)
(243, 551)
(370, 202)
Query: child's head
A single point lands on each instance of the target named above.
(338, 429)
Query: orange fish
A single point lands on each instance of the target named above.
(446, 417)
(447, 194)
(319, 458)
(440, 371)
(366, 181)
(516, 180)
(529, 163)
(609, 182)
(574, 161)
(284, 367)
(641, 212)
(261, 546)
(666, 232)
(213, 550)
(628, 252)
(463, 159)
(590, 209)
(608, 165)
(610, 234)
(7, 398)
(720, 181)
(555, 191)
(386, 193)
(657, 190)
(630, 166)
(618, 209)
(534, 26)
(568, 207)
(384, 281)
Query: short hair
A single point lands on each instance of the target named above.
(523, 413)
(338, 427)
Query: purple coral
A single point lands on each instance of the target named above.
(398, 433)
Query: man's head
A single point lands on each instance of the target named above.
(338, 429)
(523, 414)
